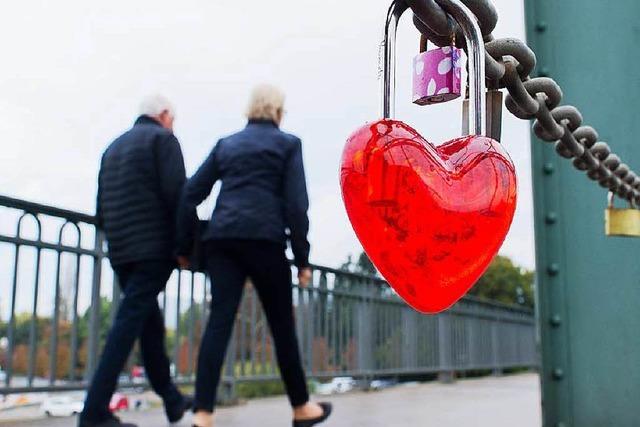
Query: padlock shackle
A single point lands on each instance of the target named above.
(475, 53)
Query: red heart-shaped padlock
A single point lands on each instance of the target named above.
(430, 218)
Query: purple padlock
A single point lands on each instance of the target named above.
(437, 76)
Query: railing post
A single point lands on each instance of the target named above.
(94, 314)
(445, 363)
(495, 347)
(409, 339)
(364, 319)
(53, 349)
(12, 319)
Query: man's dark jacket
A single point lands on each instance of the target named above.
(139, 185)
(263, 192)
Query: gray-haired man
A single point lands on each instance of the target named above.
(139, 184)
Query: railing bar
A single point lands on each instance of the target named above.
(324, 306)
(383, 333)
(46, 210)
(334, 329)
(74, 324)
(176, 343)
(317, 325)
(242, 318)
(272, 353)
(12, 318)
(393, 334)
(94, 320)
(338, 334)
(45, 245)
(399, 327)
(300, 323)
(348, 333)
(53, 349)
(399, 349)
(387, 334)
(310, 325)
(253, 330)
(341, 328)
(263, 333)
(192, 321)
(34, 320)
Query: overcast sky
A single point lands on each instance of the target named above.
(74, 72)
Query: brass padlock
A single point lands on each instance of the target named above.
(622, 222)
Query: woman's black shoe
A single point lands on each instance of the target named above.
(326, 411)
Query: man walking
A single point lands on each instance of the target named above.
(139, 184)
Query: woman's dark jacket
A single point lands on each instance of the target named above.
(263, 194)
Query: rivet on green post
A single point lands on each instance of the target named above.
(541, 27)
(548, 168)
(544, 72)
(551, 218)
(557, 374)
(553, 269)
(555, 320)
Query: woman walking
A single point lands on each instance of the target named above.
(263, 195)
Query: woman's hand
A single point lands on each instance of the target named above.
(183, 262)
(304, 276)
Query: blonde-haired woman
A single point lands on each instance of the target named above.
(263, 195)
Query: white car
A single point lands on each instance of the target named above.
(62, 406)
(336, 385)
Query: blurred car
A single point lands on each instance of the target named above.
(62, 405)
(336, 385)
(138, 375)
(131, 383)
(119, 402)
(381, 384)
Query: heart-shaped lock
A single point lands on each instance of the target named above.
(430, 218)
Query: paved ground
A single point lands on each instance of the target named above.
(487, 402)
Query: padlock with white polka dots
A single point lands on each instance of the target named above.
(437, 75)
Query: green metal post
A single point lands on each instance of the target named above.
(588, 286)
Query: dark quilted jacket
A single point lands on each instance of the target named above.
(139, 184)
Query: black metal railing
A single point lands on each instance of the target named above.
(58, 295)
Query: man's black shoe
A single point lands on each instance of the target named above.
(176, 412)
(111, 422)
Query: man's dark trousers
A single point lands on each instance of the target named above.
(138, 316)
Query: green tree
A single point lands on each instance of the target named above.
(363, 265)
(505, 282)
(348, 264)
(105, 321)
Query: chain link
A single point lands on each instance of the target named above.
(509, 63)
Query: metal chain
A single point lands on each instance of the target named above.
(509, 62)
